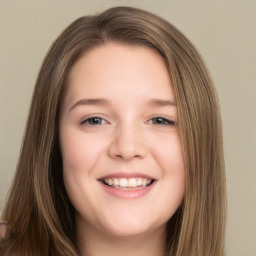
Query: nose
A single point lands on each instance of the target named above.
(127, 143)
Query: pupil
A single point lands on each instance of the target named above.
(95, 121)
(159, 120)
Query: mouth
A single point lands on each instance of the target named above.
(127, 183)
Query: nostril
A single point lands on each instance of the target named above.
(126, 147)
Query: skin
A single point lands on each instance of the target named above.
(129, 134)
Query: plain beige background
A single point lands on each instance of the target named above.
(223, 31)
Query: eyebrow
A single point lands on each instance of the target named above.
(161, 103)
(104, 102)
(89, 102)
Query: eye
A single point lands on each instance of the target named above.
(94, 121)
(161, 121)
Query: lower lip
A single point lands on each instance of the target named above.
(128, 193)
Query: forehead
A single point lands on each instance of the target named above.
(117, 69)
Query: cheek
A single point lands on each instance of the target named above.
(174, 166)
(75, 160)
(170, 156)
(170, 159)
(79, 152)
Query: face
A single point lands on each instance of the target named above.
(122, 159)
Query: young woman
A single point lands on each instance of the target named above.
(122, 153)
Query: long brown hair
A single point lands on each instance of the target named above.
(39, 215)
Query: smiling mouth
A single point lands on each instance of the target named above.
(127, 183)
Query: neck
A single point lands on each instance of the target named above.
(93, 243)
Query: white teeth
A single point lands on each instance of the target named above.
(116, 181)
(139, 182)
(132, 182)
(110, 181)
(128, 183)
(144, 182)
(123, 182)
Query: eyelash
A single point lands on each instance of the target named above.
(88, 120)
(163, 121)
(156, 120)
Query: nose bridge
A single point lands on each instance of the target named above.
(128, 141)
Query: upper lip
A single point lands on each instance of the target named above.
(127, 175)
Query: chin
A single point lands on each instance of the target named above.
(129, 231)
(132, 226)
